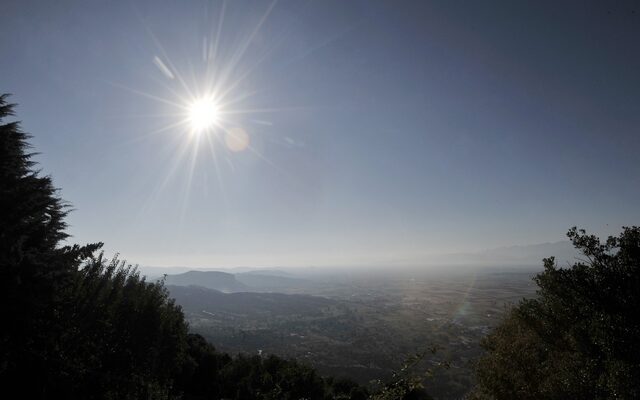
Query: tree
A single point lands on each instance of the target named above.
(34, 267)
(78, 326)
(209, 374)
(75, 325)
(579, 337)
(404, 383)
(125, 338)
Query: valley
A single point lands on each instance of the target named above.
(361, 326)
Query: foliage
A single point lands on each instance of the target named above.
(79, 326)
(124, 339)
(404, 384)
(578, 338)
(34, 268)
(211, 374)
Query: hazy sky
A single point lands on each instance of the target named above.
(379, 132)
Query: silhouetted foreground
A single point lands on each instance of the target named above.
(77, 326)
(580, 338)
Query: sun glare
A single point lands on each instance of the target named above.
(203, 115)
(211, 112)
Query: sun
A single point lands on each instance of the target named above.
(203, 115)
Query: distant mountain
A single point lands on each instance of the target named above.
(199, 300)
(250, 281)
(157, 272)
(217, 280)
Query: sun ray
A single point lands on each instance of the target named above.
(268, 110)
(183, 99)
(240, 52)
(213, 54)
(147, 95)
(144, 136)
(214, 156)
(168, 60)
(210, 101)
(176, 161)
(240, 98)
(194, 157)
(245, 74)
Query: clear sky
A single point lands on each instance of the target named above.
(378, 132)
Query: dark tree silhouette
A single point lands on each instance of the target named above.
(579, 338)
(210, 374)
(34, 268)
(125, 338)
(77, 326)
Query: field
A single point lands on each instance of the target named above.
(363, 327)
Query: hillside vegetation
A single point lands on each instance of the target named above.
(78, 326)
(578, 338)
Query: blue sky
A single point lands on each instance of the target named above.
(380, 132)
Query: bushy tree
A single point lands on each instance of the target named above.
(125, 338)
(579, 337)
(35, 268)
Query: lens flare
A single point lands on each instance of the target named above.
(236, 139)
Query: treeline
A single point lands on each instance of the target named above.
(134, 343)
(78, 326)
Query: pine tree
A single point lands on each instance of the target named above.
(34, 266)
